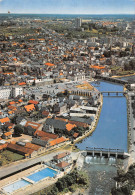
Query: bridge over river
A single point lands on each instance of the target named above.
(117, 93)
(107, 152)
(112, 79)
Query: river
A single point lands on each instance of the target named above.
(111, 132)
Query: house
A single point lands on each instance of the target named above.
(69, 126)
(34, 125)
(35, 147)
(26, 152)
(20, 101)
(7, 135)
(33, 102)
(3, 145)
(4, 120)
(13, 108)
(9, 126)
(79, 124)
(40, 142)
(20, 120)
(65, 156)
(76, 135)
(62, 166)
(22, 84)
(31, 127)
(58, 141)
(60, 108)
(29, 108)
(12, 103)
(52, 124)
(29, 130)
(83, 120)
(41, 134)
(45, 114)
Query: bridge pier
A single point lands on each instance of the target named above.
(116, 155)
(108, 154)
(101, 154)
(93, 153)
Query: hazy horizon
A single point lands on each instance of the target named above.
(66, 14)
(83, 7)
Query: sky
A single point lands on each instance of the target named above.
(68, 6)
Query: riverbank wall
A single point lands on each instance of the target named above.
(120, 76)
(128, 124)
(131, 146)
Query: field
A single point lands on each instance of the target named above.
(7, 31)
(7, 157)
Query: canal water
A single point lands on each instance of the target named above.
(111, 132)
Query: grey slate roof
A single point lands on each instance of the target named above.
(39, 142)
(57, 124)
(83, 120)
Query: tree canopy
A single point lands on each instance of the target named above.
(18, 130)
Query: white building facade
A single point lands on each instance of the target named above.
(6, 92)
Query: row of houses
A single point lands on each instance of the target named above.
(40, 143)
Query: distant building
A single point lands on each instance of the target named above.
(7, 92)
(131, 27)
(78, 22)
(16, 91)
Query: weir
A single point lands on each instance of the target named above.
(117, 93)
(106, 152)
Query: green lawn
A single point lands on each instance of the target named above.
(7, 157)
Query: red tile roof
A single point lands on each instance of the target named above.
(20, 100)
(62, 155)
(3, 146)
(10, 112)
(69, 126)
(7, 133)
(78, 124)
(45, 134)
(75, 135)
(23, 83)
(32, 146)
(3, 120)
(20, 149)
(45, 113)
(11, 103)
(45, 138)
(33, 102)
(58, 141)
(49, 64)
(30, 107)
(12, 108)
(9, 124)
